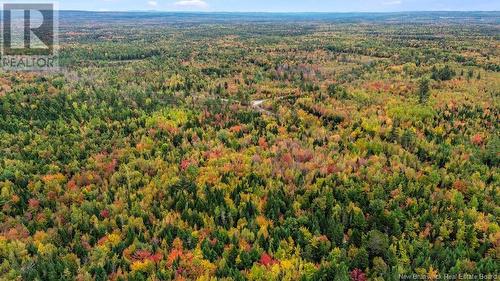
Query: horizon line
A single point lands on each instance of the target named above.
(279, 12)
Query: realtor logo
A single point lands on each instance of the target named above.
(29, 37)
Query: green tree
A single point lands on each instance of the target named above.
(424, 90)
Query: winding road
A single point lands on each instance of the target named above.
(257, 104)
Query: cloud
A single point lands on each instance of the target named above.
(392, 2)
(153, 3)
(191, 4)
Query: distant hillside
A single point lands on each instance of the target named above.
(197, 17)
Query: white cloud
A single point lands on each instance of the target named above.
(191, 4)
(153, 3)
(393, 2)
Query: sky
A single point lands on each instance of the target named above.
(277, 5)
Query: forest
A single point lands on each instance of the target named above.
(205, 147)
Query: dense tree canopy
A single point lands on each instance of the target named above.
(254, 150)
